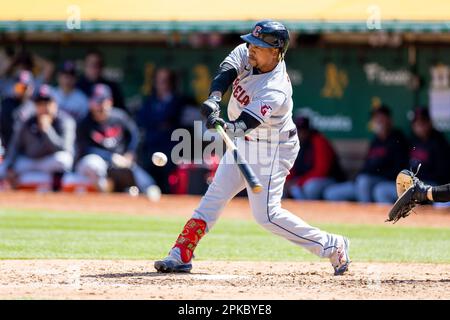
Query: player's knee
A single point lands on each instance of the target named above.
(364, 188)
(363, 181)
(63, 161)
(378, 194)
(313, 190)
(92, 165)
(382, 193)
(265, 216)
(332, 193)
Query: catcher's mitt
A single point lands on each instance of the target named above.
(403, 206)
(405, 183)
(404, 180)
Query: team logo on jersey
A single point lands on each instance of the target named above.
(256, 32)
(240, 93)
(109, 137)
(266, 110)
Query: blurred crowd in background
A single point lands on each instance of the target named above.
(61, 129)
(317, 173)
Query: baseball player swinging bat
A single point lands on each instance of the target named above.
(260, 102)
(243, 166)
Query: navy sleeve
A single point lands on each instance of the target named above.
(61, 141)
(224, 78)
(249, 121)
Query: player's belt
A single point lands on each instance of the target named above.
(292, 132)
(283, 136)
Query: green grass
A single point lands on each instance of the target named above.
(37, 234)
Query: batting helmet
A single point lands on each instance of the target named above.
(269, 34)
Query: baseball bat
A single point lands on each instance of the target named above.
(243, 166)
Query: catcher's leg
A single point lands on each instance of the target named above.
(226, 184)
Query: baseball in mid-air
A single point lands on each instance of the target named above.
(159, 159)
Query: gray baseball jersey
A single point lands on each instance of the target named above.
(268, 98)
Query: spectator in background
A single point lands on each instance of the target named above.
(107, 138)
(42, 147)
(158, 118)
(70, 99)
(93, 74)
(429, 148)
(17, 108)
(40, 68)
(317, 165)
(387, 155)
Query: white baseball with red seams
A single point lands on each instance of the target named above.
(268, 98)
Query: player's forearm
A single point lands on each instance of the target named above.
(439, 193)
(53, 140)
(134, 139)
(224, 78)
(242, 125)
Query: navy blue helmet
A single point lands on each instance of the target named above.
(269, 34)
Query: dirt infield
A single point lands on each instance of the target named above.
(81, 279)
(103, 279)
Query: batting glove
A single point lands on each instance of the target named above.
(210, 106)
(213, 119)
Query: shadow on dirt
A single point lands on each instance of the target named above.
(389, 282)
(139, 274)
